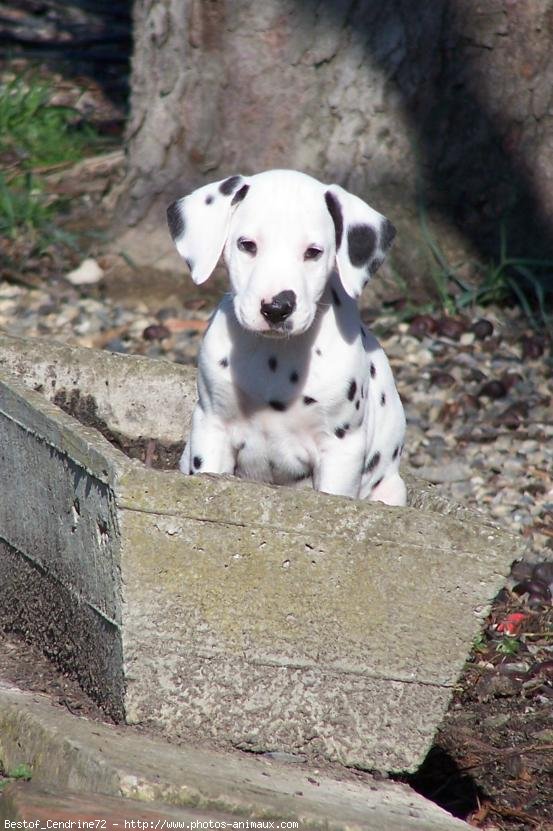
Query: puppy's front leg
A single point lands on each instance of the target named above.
(209, 449)
(340, 464)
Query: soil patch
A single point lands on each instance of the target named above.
(151, 452)
(492, 762)
(24, 666)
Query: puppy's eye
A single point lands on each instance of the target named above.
(312, 253)
(248, 245)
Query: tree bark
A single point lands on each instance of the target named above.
(434, 112)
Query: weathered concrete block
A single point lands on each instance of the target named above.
(261, 617)
(124, 393)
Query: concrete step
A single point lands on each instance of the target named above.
(24, 802)
(129, 775)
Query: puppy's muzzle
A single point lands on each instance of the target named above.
(279, 308)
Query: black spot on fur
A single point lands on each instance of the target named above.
(191, 472)
(357, 404)
(375, 265)
(209, 199)
(340, 432)
(361, 244)
(336, 300)
(273, 363)
(277, 405)
(223, 362)
(387, 235)
(373, 370)
(383, 398)
(372, 463)
(294, 377)
(318, 352)
(240, 194)
(395, 454)
(377, 483)
(197, 461)
(307, 400)
(335, 211)
(175, 220)
(229, 185)
(299, 477)
(352, 390)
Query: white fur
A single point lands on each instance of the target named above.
(311, 396)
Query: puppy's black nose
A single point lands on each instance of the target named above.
(280, 307)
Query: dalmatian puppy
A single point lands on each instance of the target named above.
(292, 387)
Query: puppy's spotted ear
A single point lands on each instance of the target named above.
(363, 237)
(199, 223)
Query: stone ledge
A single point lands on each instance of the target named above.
(70, 755)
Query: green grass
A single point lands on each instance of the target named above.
(41, 134)
(35, 137)
(508, 646)
(21, 772)
(526, 281)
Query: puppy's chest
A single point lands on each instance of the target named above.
(292, 387)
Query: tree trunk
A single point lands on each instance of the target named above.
(439, 114)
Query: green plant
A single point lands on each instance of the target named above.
(21, 771)
(526, 280)
(508, 645)
(22, 204)
(480, 643)
(34, 137)
(39, 133)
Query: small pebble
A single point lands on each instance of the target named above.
(535, 589)
(532, 348)
(496, 685)
(451, 327)
(442, 379)
(89, 272)
(482, 328)
(493, 389)
(511, 417)
(521, 570)
(422, 325)
(509, 379)
(468, 402)
(116, 345)
(156, 332)
(544, 668)
(543, 572)
(476, 375)
(513, 668)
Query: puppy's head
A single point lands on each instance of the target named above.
(282, 233)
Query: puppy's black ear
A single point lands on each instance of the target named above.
(199, 223)
(363, 237)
